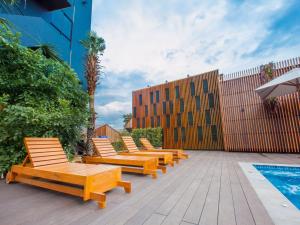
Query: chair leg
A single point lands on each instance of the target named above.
(10, 177)
(100, 198)
(126, 185)
(162, 168)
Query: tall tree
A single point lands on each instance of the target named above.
(95, 46)
(127, 118)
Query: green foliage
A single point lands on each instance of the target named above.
(126, 118)
(118, 146)
(154, 135)
(39, 97)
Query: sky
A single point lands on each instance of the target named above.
(149, 42)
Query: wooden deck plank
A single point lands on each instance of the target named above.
(155, 219)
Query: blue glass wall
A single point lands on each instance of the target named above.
(60, 23)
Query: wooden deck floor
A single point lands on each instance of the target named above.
(208, 189)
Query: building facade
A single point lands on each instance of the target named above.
(188, 110)
(60, 23)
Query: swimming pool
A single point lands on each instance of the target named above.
(285, 178)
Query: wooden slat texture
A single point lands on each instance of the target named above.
(103, 147)
(109, 132)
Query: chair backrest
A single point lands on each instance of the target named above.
(146, 143)
(129, 144)
(103, 147)
(44, 151)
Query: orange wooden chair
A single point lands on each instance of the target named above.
(177, 153)
(46, 166)
(105, 153)
(165, 158)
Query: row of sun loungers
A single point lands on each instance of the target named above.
(46, 166)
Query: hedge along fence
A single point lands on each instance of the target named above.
(154, 135)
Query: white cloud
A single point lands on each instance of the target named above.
(113, 108)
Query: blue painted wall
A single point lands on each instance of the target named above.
(62, 28)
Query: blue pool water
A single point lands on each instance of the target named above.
(286, 179)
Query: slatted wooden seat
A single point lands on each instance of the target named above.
(165, 158)
(177, 153)
(46, 166)
(105, 153)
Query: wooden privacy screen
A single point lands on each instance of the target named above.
(188, 110)
(248, 125)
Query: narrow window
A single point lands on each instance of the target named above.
(198, 103)
(151, 97)
(177, 92)
(158, 121)
(181, 105)
(183, 138)
(200, 134)
(175, 135)
(134, 112)
(171, 107)
(143, 122)
(214, 133)
(157, 96)
(207, 117)
(168, 121)
(178, 120)
(190, 118)
(211, 101)
(205, 86)
(164, 107)
(154, 109)
(152, 121)
(192, 87)
(140, 99)
(146, 110)
(167, 91)
(138, 123)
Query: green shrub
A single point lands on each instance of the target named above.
(154, 135)
(39, 97)
(118, 146)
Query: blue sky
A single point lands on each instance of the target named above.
(149, 42)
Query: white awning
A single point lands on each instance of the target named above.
(285, 84)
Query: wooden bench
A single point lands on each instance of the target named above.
(46, 166)
(165, 158)
(177, 153)
(105, 153)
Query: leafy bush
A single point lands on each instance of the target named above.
(118, 146)
(39, 97)
(154, 135)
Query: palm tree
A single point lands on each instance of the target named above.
(126, 118)
(95, 46)
(48, 51)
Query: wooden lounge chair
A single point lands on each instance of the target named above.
(177, 153)
(105, 153)
(165, 158)
(46, 166)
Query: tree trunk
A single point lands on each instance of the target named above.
(91, 126)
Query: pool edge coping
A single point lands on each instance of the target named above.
(272, 199)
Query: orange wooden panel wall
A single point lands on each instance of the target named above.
(191, 141)
(247, 125)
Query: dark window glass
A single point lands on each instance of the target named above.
(167, 94)
(171, 107)
(177, 92)
(151, 97)
(200, 133)
(146, 110)
(134, 112)
(192, 87)
(207, 117)
(181, 105)
(178, 120)
(154, 109)
(168, 121)
(175, 135)
(164, 107)
(157, 96)
(138, 123)
(158, 121)
(205, 86)
(143, 122)
(211, 101)
(152, 121)
(140, 99)
(214, 133)
(190, 118)
(198, 103)
(183, 138)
